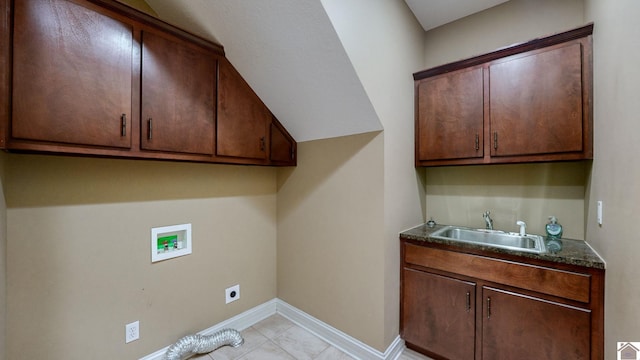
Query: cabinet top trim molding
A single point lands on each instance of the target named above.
(507, 51)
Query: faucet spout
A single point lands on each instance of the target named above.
(487, 220)
(523, 227)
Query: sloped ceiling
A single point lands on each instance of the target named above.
(290, 54)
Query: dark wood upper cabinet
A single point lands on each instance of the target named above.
(72, 75)
(530, 102)
(178, 95)
(283, 147)
(243, 120)
(98, 78)
(449, 120)
(536, 102)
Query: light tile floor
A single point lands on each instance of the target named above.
(277, 338)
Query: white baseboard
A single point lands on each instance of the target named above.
(350, 345)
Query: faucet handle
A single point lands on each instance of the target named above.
(523, 227)
(488, 221)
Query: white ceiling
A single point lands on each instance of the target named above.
(291, 55)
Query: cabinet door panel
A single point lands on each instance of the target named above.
(536, 103)
(450, 116)
(178, 96)
(516, 326)
(438, 314)
(242, 117)
(282, 145)
(72, 75)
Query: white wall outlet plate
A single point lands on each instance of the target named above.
(232, 293)
(132, 332)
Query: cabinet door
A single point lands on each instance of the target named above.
(72, 74)
(243, 119)
(438, 314)
(283, 149)
(450, 116)
(178, 95)
(536, 102)
(516, 326)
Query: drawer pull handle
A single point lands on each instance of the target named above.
(123, 125)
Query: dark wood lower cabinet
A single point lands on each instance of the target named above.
(450, 313)
(516, 326)
(462, 306)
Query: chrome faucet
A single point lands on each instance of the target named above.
(488, 221)
(523, 227)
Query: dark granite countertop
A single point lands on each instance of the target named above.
(574, 252)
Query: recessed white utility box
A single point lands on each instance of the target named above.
(170, 241)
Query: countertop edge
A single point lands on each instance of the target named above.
(574, 252)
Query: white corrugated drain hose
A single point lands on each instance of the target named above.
(202, 344)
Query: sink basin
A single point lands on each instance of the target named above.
(493, 238)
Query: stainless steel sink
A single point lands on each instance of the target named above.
(494, 238)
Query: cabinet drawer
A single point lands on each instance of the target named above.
(569, 285)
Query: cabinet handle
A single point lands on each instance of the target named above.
(150, 129)
(495, 140)
(477, 142)
(292, 153)
(468, 301)
(262, 144)
(123, 125)
(488, 308)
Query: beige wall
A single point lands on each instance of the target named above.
(459, 195)
(363, 189)
(79, 262)
(512, 22)
(3, 260)
(615, 177)
(330, 234)
(530, 192)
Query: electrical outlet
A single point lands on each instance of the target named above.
(132, 332)
(232, 293)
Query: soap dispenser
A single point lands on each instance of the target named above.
(554, 233)
(554, 230)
